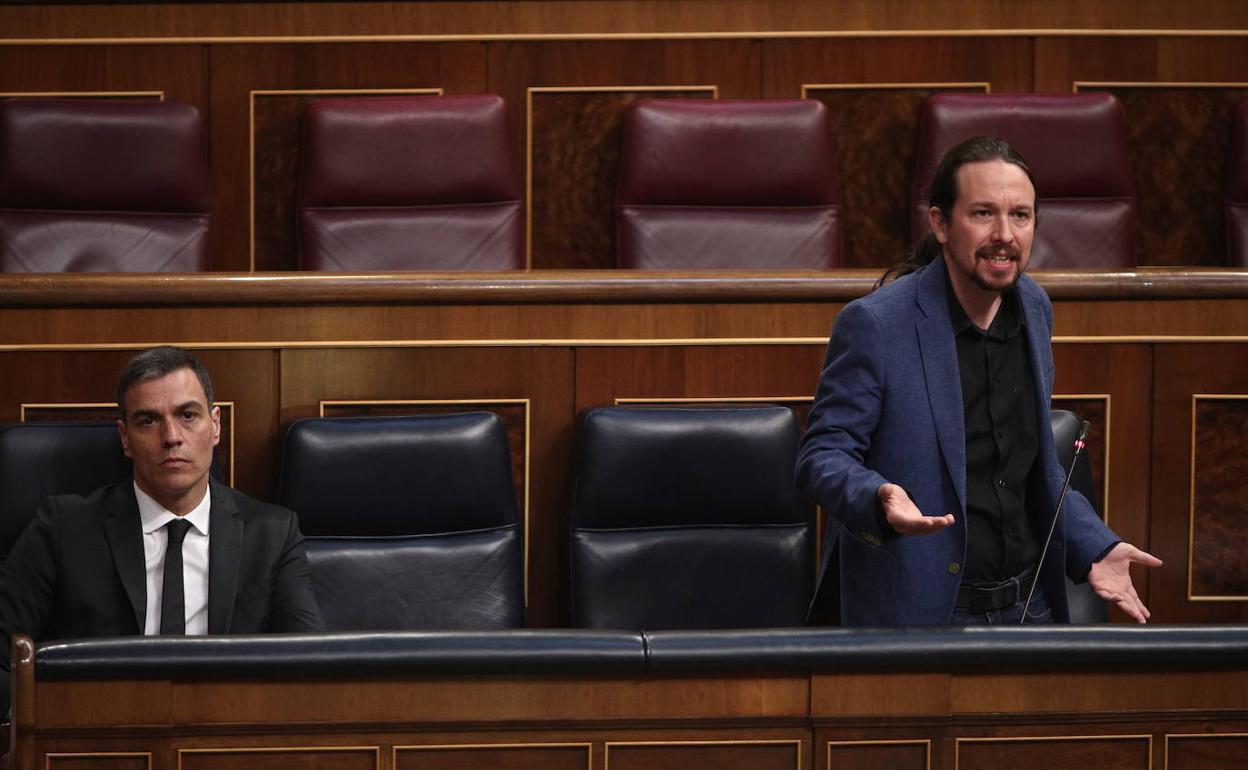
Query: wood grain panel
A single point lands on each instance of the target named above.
(1120, 439)
(572, 161)
(1219, 488)
(1179, 148)
(745, 754)
(1206, 752)
(238, 70)
(879, 755)
(486, 757)
(1062, 61)
(177, 71)
(312, 758)
(1182, 371)
(435, 702)
(725, 373)
(543, 376)
(874, 89)
(875, 132)
(1109, 753)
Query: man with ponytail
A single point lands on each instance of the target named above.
(928, 445)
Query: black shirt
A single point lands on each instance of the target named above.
(999, 404)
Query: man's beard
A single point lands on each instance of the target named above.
(988, 253)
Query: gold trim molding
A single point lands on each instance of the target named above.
(606, 749)
(926, 743)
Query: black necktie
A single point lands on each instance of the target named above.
(172, 600)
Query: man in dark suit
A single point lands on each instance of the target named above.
(171, 551)
(929, 444)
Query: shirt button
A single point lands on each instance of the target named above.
(954, 568)
(1000, 482)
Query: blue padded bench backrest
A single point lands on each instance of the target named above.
(39, 459)
(689, 518)
(411, 521)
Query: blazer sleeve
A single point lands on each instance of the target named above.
(1085, 535)
(831, 463)
(28, 581)
(293, 600)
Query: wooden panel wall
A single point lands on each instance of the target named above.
(566, 97)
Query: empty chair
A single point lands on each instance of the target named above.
(689, 518)
(1237, 190)
(92, 185)
(1076, 145)
(408, 183)
(728, 184)
(1085, 605)
(38, 459)
(411, 522)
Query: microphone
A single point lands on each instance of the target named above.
(1080, 442)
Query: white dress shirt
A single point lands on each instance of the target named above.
(194, 561)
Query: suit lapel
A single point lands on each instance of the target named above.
(225, 546)
(124, 531)
(940, 371)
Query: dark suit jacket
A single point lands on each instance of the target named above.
(889, 408)
(77, 570)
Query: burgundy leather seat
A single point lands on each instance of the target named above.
(1076, 145)
(409, 183)
(728, 185)
(91, 185)
(1237, 191)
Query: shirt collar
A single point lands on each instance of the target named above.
(1005, 325)
(154, 515)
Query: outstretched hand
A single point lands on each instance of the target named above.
(1111, 579)
(902, 515)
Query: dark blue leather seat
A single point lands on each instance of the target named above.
(689, 518)
(411, 522)
(38, 459)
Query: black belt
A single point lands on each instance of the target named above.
(986, 597)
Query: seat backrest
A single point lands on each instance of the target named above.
(408, 183)
(91, 185)
(39, 459)
(411, 522)
(1085, 605)
(689, 518)
(1237, 190)
(1076, 146)
(728, 184)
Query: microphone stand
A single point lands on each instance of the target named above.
(1080, 443)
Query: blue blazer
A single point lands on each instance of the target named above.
(889, 409)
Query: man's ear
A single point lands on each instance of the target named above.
(216, 425)
(125, 439)
(936, 220)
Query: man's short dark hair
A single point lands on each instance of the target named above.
(154, 363)
(943, 193)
